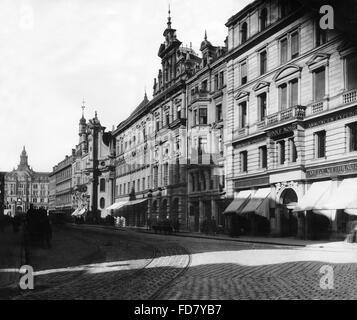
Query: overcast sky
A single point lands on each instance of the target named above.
(54, 53)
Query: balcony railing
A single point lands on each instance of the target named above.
(350, 96)
(297, 112)
(241, 132)
(199, 95)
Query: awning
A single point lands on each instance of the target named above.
(238, 202)
(134, 202)
(117, 205)
(315, 198)
(258, 203)
(345, 197)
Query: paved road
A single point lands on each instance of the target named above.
(113, 264)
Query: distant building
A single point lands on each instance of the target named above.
(24, 186)
(60, 180)
(92, 173)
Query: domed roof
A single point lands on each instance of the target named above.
(205, 43)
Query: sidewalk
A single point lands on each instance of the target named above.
(245, 239)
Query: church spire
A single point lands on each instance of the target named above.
(169, 19)
(23, 158)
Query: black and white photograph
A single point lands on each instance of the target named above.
(178, 150)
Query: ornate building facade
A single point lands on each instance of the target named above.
(92, 170)
(24, 186)
(291, 117)
(151, 145)
(206, 96)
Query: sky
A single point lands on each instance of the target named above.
(55, 53)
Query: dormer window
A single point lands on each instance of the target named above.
(263, 19)
(244, 32)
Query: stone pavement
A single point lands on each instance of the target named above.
(10, 258)
(96, 262)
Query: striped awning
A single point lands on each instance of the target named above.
(237, 204)
(258, 202)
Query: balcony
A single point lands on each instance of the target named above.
(350, 96)
(293, 113)
(177, 122)
(317, 107)
(241, 132)
(201, 95)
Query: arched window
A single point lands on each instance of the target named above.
(244, 32)
(102, 203)
(102, 185)
(263, 19)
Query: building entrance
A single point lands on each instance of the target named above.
(288, 220)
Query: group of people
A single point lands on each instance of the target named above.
(37, 226)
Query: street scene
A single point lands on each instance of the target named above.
(206, 153)
(105, 263)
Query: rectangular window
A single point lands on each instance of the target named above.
(219, 113)
(319, 84)
(293, 152)
(284, 51)
(203, 116)
(294, 92)
(244, 161)
(157, 124)
(283, 89)
(243, 71)
(321, 35)
(263, 62)
(320, 144)
(216, 85)
(143, 184)
(281, 147)
(166, 174)
(353, 136)
(263, 157)
(202, 146)
(243, 114)
(294, 45)
(351, 64)
(262, 103)
(167, 118)
(221, 79)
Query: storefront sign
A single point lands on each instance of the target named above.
(332, 170)
(252, 182)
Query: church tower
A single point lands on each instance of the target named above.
(23, 158)
(83, 132)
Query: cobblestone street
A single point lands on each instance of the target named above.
(102, 263)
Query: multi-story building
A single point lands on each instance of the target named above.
(92, 175)
(206, 100)
(291, 122)
(151, 149)
(24, 186)
(60, 181)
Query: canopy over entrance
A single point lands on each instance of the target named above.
(258, 203)
(237, 204)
